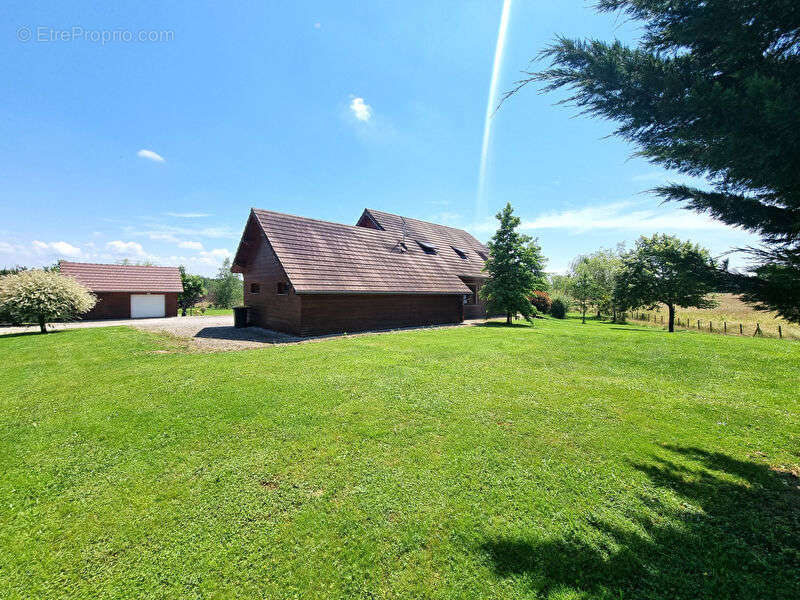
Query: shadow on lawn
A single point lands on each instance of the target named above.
(503, 324)
(246, 334)
(5, 336)
(736, 535)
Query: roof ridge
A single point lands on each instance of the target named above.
(72, 262)
(421, 221)
(353, 227)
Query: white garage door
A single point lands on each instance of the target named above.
(146, 306)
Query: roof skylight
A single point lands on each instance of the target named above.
(428, 248)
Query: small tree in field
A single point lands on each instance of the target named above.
(193, 290)
(228, 289)
(43, 297)
(582, 286)
(664, 269)
(516, 269)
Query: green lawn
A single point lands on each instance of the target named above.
(209, 312)
(558, 461)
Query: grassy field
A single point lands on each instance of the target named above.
(209, 312)
(555, 461)
(730, 310)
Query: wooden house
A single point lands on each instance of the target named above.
(311, 277)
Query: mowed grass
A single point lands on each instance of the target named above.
(208, 312)
(555, 461)
(730, 310)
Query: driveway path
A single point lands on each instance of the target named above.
(212, 333)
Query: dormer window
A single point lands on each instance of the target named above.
(482, 255)
(427, 248)
(460, 252)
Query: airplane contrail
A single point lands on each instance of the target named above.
(491, 103)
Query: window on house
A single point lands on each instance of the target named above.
(283, 288)
(255, 288)
(460, 252)
(483, 255)
(428, 248)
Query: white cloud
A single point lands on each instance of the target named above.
(150, 155)
(188, 215)
(158, 231)
(666, 177)
(220, 252)
(361, 110)
(623, 216)
(190, 245)
(59, 248)
(130, 248)
(162, 237)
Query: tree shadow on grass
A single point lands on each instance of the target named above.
(6, 336)
(734, 533)
(504, 325)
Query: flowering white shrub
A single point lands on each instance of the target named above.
(43, 297)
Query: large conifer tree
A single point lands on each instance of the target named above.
(516, 269)
(712, 90)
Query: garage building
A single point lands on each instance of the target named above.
(128, 291)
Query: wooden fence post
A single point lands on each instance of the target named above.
(741, 332)
(725, 327)
(710, 327)
(780, 332)
(698, 324)
(758, 330)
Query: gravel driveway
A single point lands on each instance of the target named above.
(213, 333)
(216, 333)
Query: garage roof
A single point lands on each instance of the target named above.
(124, 278)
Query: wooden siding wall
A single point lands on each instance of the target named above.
(117, 305)
(337, 313)
(268, 308)
(475, 311)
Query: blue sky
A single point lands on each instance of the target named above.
(157, 148)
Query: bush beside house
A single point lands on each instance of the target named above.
(43, 297)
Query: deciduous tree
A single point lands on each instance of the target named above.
(601, 268)
(227, 290)
(582, 285)
(193, 290)
(664, 269)
(43, 297)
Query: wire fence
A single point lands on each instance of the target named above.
(720, 327)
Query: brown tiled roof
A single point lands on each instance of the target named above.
(124, 278)
(324, 257)
(444, 238)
